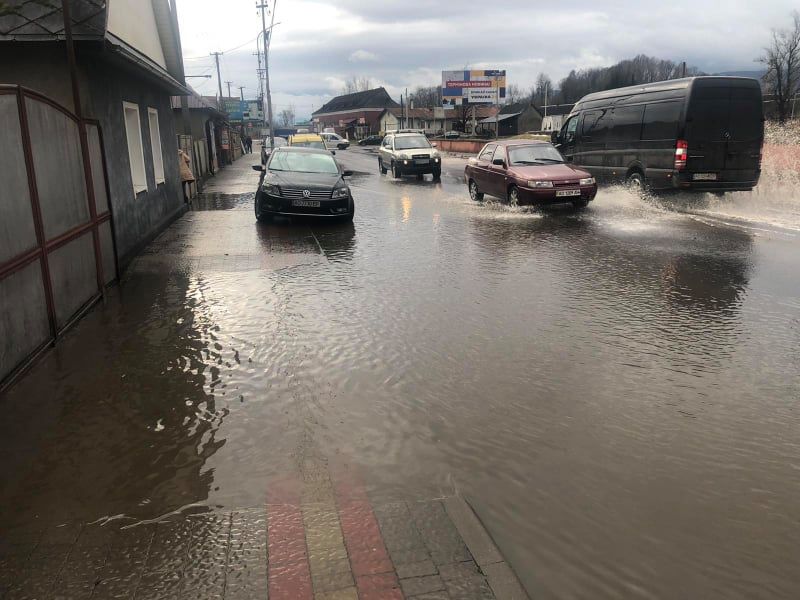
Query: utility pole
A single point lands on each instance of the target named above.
(229, 88)
(241, 92)
(263, 8)
(216, 56)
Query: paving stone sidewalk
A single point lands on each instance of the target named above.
(330, 544)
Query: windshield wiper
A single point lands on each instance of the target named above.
(552, 160)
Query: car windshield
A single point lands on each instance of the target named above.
(302, 162)
(534, 155)
(316, 144)
(411, 141)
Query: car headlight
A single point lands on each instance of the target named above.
(403, 156)
(540, 184)
(340, 192)
(272, 190)
(435, 154)
(587, 181)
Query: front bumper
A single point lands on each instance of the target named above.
(529, 196)
(410, 166)
(277, 205)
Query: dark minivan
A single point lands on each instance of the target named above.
(699, 133)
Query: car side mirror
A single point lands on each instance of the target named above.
(499, 162)
(258, 168)
(347, 173)
(333, 152)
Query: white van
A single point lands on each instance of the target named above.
(334, 141)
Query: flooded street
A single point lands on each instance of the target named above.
(614, 391)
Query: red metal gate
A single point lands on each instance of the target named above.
(56, 246)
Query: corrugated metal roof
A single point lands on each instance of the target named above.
(44, 20)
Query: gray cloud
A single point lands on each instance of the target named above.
(404, 43)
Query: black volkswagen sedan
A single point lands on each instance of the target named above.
(303, 182)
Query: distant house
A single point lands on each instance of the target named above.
(200, 124)
(430, 120)
(514, 119)
(354, 115)
(554, 116)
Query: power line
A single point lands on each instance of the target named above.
(224, 51)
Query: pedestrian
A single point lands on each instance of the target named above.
(249, 144)
(187, 177)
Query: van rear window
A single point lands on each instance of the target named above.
(661, 121)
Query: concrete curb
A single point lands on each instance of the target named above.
(501, 577)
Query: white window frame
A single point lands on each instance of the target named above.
(135, 155)
(155, 145)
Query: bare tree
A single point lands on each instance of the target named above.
(463, 114)
(287, 116)
(543, 90)
(782, 60)
(356, 84)
(514, 93)
(640, 69)
(426, 97)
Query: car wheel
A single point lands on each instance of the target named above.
(473, 191)
(395, 171)
(260, 216)
(636, 182)
(351, 213)
(420, 176)
(437, 174)
(580, 204)
(513, 195)
(381, 167)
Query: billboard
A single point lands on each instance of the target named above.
(482, 86)
(235, 108)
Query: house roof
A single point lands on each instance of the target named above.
(377, 98)
(481, 112)
(556, 109)
(43, 21)
(500, 117)
(197, 102)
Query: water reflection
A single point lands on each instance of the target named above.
(130, 436)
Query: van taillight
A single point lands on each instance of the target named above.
(681, 153)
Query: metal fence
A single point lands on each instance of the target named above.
(56, 241)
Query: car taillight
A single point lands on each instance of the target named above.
(681, 153)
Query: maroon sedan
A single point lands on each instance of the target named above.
(527, 172)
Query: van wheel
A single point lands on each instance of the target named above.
(437, 174)
(636, 181)
(473, 191)
(395, 170)
(381, 167)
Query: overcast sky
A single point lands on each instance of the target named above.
(405, 43)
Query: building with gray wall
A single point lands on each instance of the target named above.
(118, 66)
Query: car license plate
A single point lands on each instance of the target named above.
(704, 176)
(422, 161)
(565, 193)
(306, 203)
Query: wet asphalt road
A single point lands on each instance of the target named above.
(615, 391)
